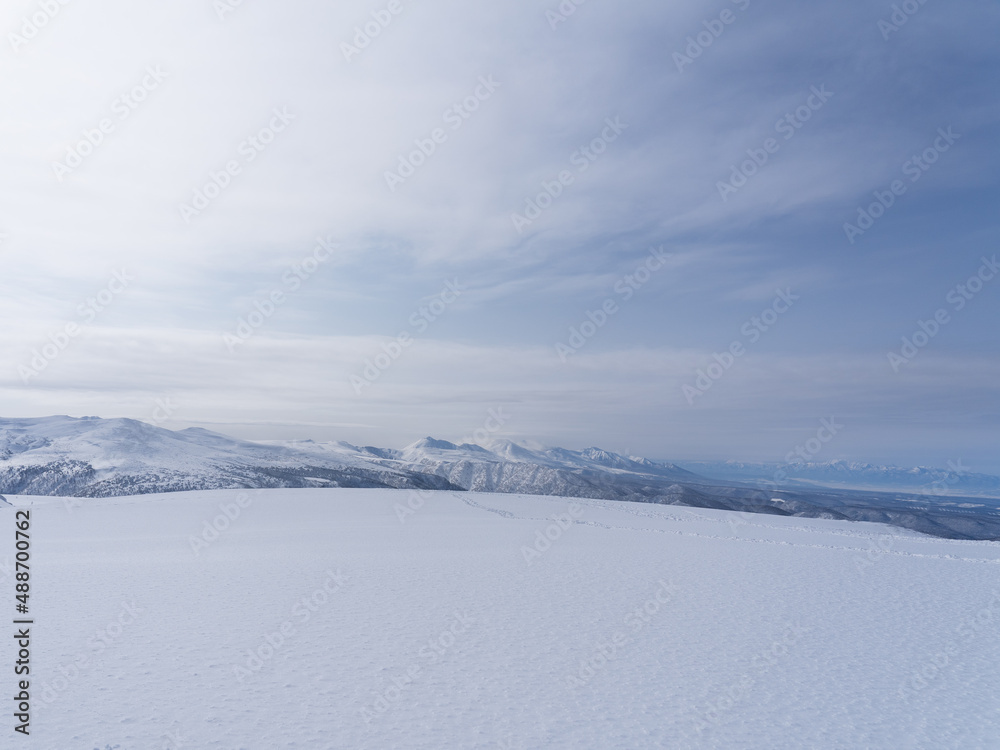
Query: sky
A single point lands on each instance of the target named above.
(681, 230)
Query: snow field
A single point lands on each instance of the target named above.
(328, 619)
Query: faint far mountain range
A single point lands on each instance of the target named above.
(95, 457)
(953, 480)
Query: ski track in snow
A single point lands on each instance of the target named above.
(890, 531)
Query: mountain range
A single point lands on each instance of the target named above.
(954, 479)
(95, 457)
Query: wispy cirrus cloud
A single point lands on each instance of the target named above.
(655, 185)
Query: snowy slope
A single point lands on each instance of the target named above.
(104, 457)
(92, 457)
(396, 619)
(504, 466)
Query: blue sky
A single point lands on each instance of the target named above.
(512, 102)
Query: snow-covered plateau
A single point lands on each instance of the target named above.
(404, 618)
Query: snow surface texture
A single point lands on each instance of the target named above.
(632, 626)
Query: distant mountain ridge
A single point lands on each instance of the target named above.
(95, 457)
(91, 456)
(954, 479)
(505, 466)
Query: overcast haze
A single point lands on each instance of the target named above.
(662, 128)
